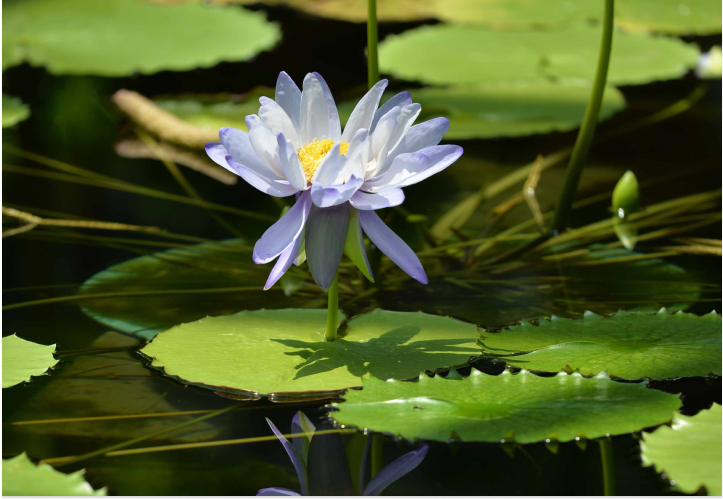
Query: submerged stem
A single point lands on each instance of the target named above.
(608, 465)
(587, 130)
(332, 314)
(372, 36)
(377, 453)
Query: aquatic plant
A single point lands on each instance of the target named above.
(298, 450)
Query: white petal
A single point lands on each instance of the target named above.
(384, 129)
(405, 119)
(356, 154)
(426, 134)
(363, 113)
(401, 99)
(277, 120)
(331, 111)
(411, 168)
(276, 188)
(314, 117)
(331, 168)
(288, 96)
(238, 145)
(290, 163)
(265, 144)
(369, 201)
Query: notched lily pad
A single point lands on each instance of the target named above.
(626, 345)
(283, 352)
(688, 451)
(23, 478)
(24, 359)
(523, 408)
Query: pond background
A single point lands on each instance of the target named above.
(73, 121)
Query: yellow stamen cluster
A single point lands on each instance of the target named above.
(311, 155)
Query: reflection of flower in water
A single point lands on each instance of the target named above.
(295, 146)
(298, 451)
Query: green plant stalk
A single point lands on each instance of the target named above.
(332, 314)
(589, 122)
(372, 37)
(377, 453)
(608, 465)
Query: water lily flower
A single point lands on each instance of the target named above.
(298, 451)
(295, 146)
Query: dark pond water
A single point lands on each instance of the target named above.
(73, 121)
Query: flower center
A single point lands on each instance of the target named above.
(311, 155)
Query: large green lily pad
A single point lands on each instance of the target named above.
(523, 408)
(626, 345)
(272, 352)
(24, 359)
(458, 54)
(510, 110)
(688, 452)
(149, 294)
(14, 111)
(23, 478)
(122, 37)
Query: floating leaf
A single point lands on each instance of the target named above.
(152, 293)
(23, 359)
(284, 351)
(23, 478)
(626, 345)
(14, 111)
(523, 408)
(456, 54)
(122, 37)
(688, 452)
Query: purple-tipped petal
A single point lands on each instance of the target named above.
(392, 245)
(363, 113)
(288, 96)
(264, 143)
(302, 424)
(314, 116)
(440, 157)
(285, 260)
(278, 121)
(238, 145)
(425, 134)
(324, 197)
(290, 163)
(411, 168)
(401, 99)
(325, 236)
(331, 111)
(369, 201)
(276, 188)
(296, 460)
(277, 491)
(396, 470)
(283, 233)
(217, 152)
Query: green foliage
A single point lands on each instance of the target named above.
(626, 345)
(688, 452)
(283, 351)
(122, 37)
(23, 478)
(508, 110)
(626, 201)
(458, 54)
(23, 359)
(14, 111)
(523, 408)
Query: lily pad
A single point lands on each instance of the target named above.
(508, 110)
(14, 111)
(278, 352)
(122, 37)
(150, 294)
(457, 54)
(24, 359)
(688, 452)
(626, 345)
(23, 478)
(523, 408)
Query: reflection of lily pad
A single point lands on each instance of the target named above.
(23, 359)
(456, 54)
(626, 345)
(23, 478)
(689, 451)
(277, 351)
(156, 292)
(14, 111)
(523, 408)
(121, 37)
(508, 110)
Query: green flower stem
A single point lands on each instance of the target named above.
(372, 36)
(587, 130)
(377, 452)
(608, 465)
(332, 315)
